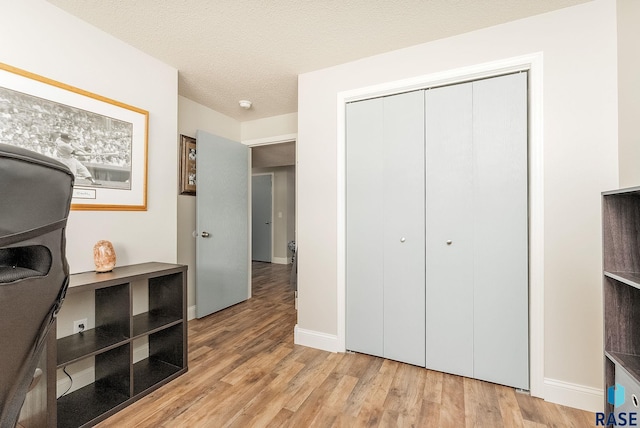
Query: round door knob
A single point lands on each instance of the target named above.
(449, 242)
(205, 234)
(402, 239)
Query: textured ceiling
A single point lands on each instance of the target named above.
(228, 50)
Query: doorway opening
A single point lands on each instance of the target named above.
(273, 213)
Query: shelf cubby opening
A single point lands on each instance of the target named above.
(87, 404)
(152, 373)
(113, 309)
(89, 342)
(165, 295)
(112, 387)
(166, 345)
(621, 232)
(150, 321)
(622, 318)
(166, 358)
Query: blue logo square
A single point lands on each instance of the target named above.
(615, 395)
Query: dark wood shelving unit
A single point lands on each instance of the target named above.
(118, 380)
(621, 293)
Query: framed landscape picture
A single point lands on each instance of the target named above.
(103, 142)
(187, 165)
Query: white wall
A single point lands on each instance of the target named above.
(191, 117)
(269, 127)
(42, 39)
(629, 91)
(580, 160)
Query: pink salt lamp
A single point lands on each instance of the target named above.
(104, 256)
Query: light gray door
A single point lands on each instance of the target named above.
(500, 269)
(385, 227)
(404, 228)
(449, 228)
(477, 226)
(261, 217)
(222, 221)
(364, 225)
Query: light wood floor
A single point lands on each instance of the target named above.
(245, 371)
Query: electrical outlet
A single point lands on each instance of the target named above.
(79, 325)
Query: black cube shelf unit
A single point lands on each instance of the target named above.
(118, 380)
(621, 292)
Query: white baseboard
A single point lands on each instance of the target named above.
(280, 260)
(315, 339)
(574, 395)
(191, 312)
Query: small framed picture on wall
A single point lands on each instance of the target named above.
(187, 165)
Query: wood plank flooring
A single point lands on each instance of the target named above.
(245, 371)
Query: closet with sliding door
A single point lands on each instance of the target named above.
(437, 228)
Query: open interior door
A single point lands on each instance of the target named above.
(222, 222)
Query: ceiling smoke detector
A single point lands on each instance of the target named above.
(245, 104)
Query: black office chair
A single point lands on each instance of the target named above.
(35, 196)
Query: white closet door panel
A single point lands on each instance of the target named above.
(449, 230)
(404, 234)
(364, 223)
(500, 265)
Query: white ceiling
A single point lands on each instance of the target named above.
(228, 50)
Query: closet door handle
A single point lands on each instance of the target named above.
(402, 239)
(449, 242)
